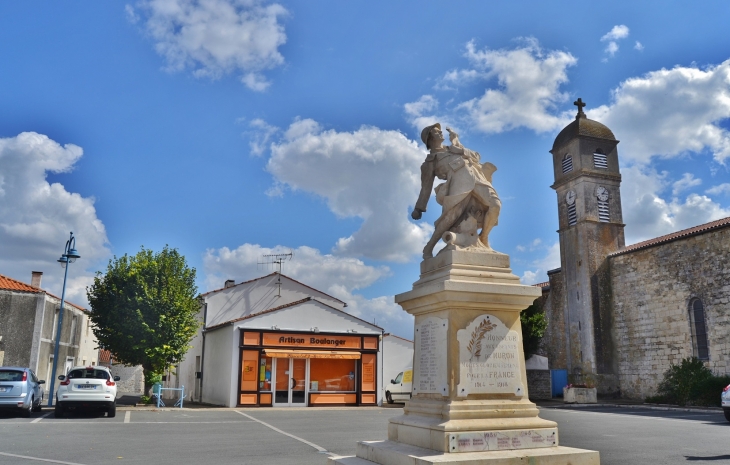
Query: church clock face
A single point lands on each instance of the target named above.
(602, 194)
(570, 198)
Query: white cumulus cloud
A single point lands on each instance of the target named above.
(337, 276)
(370, 173)
(213, 38)
(687, 181)
(36, 216)
(647, 214)
(615, 34)
(525, 93)
(549, 260)
(670, 112)
(723, 188)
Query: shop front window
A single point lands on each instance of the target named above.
(332, 375)
(265, 374)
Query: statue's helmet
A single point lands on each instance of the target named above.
(426, 132)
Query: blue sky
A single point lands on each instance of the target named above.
(231, 129)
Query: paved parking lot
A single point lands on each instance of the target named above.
(306, 436)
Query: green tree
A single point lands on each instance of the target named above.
(534, 325)
(144, 309)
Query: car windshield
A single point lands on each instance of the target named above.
(88, 374)
(11, 375)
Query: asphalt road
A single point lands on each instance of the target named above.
(305, 436)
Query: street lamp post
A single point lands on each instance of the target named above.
(69, 256)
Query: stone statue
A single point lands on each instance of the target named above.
(468, 200)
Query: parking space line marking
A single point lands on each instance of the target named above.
(41, 417)
(319, 448)
(127, 415)
(38, 459)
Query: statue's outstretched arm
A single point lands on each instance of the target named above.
(427, 176)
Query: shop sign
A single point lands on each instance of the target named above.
(311, 341)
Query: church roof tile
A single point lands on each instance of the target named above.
(701, 229)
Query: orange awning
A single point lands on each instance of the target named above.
(281, 353)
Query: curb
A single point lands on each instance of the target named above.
(639, 406)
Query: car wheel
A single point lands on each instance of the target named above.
(37, 408)
(25, 413)
(388, 397)
(727, 413)
(58, 413)
(112, 411)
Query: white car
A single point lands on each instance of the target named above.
(87, 387)
(725, 398)
(399, 389)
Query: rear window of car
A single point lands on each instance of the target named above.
(88, 374)
(11, 375)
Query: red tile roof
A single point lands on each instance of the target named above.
(701, 229)
(104, 356)
(545, 284)
(10, 284)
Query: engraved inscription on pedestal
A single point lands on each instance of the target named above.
(477, 441)
(429, 364)
(489, 358)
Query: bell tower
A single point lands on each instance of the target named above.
(587, 184)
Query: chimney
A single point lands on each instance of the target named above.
(229, 283)
(35, 279)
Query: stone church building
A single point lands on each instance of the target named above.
(619, 316)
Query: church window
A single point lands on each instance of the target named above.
(599, 160)
(699, 329)
(572, 216)
(567, 163)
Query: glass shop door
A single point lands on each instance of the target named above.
(290, 382)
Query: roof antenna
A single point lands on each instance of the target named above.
(277, 259)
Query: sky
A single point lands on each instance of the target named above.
(233, 129)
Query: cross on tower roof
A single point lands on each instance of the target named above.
(580, 104)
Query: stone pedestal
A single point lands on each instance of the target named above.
(469, 399)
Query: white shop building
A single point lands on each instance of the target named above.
(274, 341)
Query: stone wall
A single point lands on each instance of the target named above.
(17, 321)
(538, 384)
(652, 289)
(132, 379)
(553, 344)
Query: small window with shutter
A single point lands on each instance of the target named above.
(567, 163)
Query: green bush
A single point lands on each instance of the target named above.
(534, 325)
(707, 392)
(690, 382)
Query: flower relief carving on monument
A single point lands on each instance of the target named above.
(475, 344)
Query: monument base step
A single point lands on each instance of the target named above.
(394, 453)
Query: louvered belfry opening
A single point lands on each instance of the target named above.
(603, 213)
(572, 215)
(600, 161)
(567, 163)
